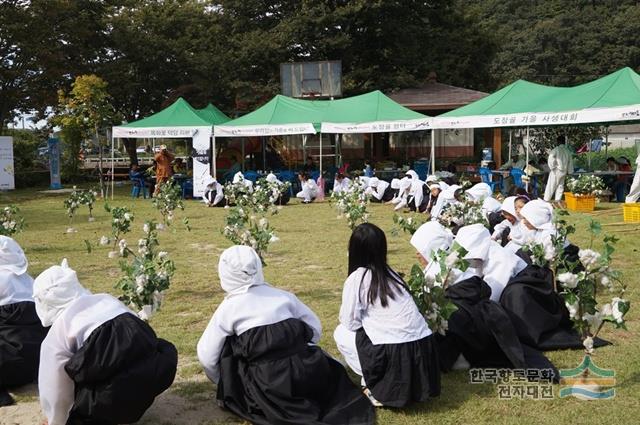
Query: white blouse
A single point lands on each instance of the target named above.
(65, 338)
(400, 321)
(260, 305)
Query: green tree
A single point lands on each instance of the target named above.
(84, 111)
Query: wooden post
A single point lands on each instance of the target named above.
(497, 146)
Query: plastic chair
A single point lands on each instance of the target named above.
(288, 176)
(137, 185)
(485, 175)
(517, 174)
(187, 189)
(251, 175)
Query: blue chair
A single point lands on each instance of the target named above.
(187, 189)
(137, 185)
(251, 175)
(288, 176)
(517, 174)
(315, 175)
(485, 175)
(422, 168)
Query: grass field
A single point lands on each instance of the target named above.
(310, 260)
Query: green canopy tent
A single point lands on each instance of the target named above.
(178, 120)
(282, 115)
(614, 97)
(373, 112)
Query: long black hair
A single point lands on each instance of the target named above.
(368, 249)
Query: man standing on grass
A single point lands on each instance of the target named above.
(163, 167)
(560, 164)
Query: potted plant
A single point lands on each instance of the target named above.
(583, 192)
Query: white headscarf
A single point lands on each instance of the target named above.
(405, 184)
(239, 269)
(373, 182)
(430, 237)
(539, 214)
(413, 174)
(54, 290)
(271, 178)
(491, 204)
(435, 185)
(12, 258)
(15, 284)
(208, 180)
(475, 238)
(509, 206)
(238, 177)
(395, 183)
(431, 178)
(479, 191)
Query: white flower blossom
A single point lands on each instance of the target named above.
(594, 320)
(589, 258)
(573, 309)
(159, 226)
(615, 310)
(568, 280)
(142, 280)
(588, 344)
(104, 241)
(146, 228)
(162, 255)
(452, 259)
(605, 281)
(146, 312)
(127, 216)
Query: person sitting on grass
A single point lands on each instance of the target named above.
(260, 350)
(285, 196)
(379, 190)
(510, 218)
(309, 188)
(213, 193)
(21, 332)
(341, 183)
(99, 364)
(382, 335)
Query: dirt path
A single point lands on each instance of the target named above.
(169, 408)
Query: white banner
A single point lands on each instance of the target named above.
(7, 170)
(377, 126)
(583, 116)
(263, 130)
(200, 155)
(159, 132)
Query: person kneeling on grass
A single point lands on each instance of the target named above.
(20, 330)
(213, 193)
(309, 188)
(259, 348)
(382, 335)
(99, 364)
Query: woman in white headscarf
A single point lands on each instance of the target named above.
(238, 179)
(21, 332)
(480, 332)
(341, 183)
(401, 199)
(495, 264)
(510, 219)
(450, 195)
(213, 193)
(309, 188)
(379, 190)
(417, 193)
(99, 363)
(283, 196)
(259, 348)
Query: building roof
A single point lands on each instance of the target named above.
(433, 96)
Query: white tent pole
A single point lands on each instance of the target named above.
(510, 134)
(112, 165)
(304, 148)
(264, 154)
(213, 158)
(243, 155)
(433, 151)
(526, 184)
(320, 155)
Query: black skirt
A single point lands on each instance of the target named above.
(482, 331)
(270, 375)
(399, 374)
(21, 334)
(538, 312)
(119, 371)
